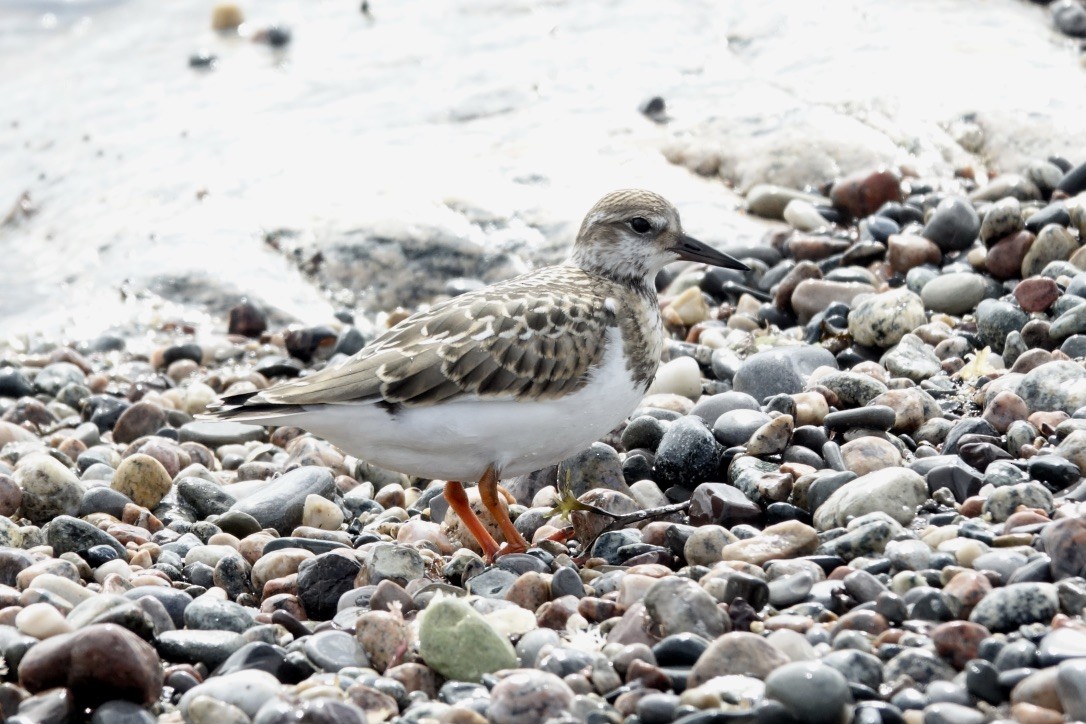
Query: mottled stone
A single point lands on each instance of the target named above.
(143, 479)
(49, 488)
(881, 320)
(1007, 608)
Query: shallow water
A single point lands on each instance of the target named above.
(447, 115)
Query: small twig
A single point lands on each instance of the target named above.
(621, 521)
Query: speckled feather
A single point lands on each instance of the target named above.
(532, 337)
(535, 337)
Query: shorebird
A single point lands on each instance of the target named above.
(507, 379)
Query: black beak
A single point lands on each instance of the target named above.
(691, 249)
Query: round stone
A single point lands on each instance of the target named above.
(812, 691)
(143, 479)
(956, 293)
(49, 488)
(881, 320)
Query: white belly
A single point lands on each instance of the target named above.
(458, 440)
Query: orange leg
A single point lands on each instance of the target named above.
(458, 501)
(488, 492)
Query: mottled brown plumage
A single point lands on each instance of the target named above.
(532, 337)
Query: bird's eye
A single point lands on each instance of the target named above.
(640, 225)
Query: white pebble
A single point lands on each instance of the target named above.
(512, 621)
(41, 621)
(121, 568)
(321, 513)
(802, 215)
(680, 376)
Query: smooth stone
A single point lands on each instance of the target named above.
(247, 690)
(1071, 688)
(205, 497)
(703, 546)
(141, 419)
(208, 647)
(322, 580)
(1005, 500)
(996, 319)
(921, 665)
(881, 320)
(73, 535)
(207, 613)
(529, 696)
(1054, 386)
(122, 712)
(912, 359)
(218, 433)
(143, 479)
(736, 426)
(680, 376)
(597, 466)
(894, 491)
(788, 539)
(954, 226)
(1061, 644)
(812, 691)
(335, 650)
(459, 644)
(956, 293)
(721, 504)
(874, 417)
(1065, 543)
(1053, 243)
(812, 296)
(97, 663)
(279, 503)
(782, 370)
(858, 666)
(737, 652)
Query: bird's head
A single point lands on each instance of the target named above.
(630, 235)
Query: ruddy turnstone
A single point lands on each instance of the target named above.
(507, 379)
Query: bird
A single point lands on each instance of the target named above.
(506, 379)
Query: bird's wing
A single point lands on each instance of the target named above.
(512, 339)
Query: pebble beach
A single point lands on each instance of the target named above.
(855, 491)
(860, 467)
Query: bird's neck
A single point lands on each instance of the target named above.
(625, 274)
